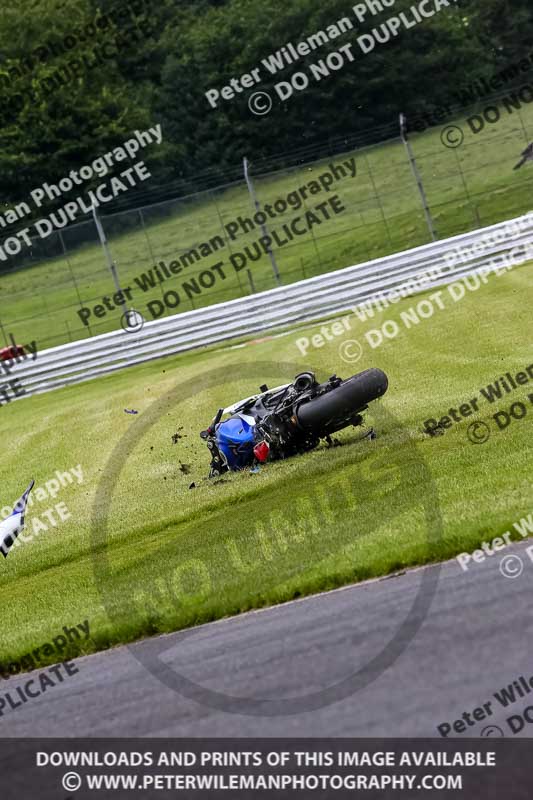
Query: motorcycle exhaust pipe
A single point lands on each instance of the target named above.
(352, 396)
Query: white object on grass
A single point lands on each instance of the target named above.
(14, 524)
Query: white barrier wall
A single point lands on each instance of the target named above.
(305, 301)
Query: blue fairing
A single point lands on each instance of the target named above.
(235, 439)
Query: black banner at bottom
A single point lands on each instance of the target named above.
(279, 768)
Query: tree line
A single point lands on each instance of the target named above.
(77, 76)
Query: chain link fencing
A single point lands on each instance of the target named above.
(206, 248)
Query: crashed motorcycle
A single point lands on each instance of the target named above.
(290, 419)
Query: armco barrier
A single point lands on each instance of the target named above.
(305, 301)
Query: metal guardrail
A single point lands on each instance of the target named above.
(306, 301)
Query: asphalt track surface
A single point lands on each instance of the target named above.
(476, 639)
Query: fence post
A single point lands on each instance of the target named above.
(263, 227)
(416, 175)
(474, 208)
(65, 253)
(226, 237)
(111, 264)
(250, 278)
(378, 198)
(3, 334)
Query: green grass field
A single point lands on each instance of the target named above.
(466, 187)
(143, 553)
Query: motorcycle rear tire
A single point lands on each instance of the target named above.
(351, 397)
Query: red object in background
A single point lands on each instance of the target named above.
(11, 352)
(261, 451)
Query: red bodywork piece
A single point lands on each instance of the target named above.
(261, 451)
(11, 352)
